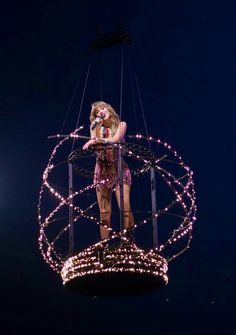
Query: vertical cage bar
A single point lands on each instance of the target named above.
(154, 208)
(71, 209)
(120, 173)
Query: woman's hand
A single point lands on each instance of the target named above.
(94, 141)
(87, 144)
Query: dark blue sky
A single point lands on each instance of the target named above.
(184, 54)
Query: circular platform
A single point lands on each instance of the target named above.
(114, 271)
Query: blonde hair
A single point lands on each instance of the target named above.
(114, 118)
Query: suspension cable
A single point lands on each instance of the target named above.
(81, 102)
(131, 79)
(120, 167)
(152, 172)
(71, 102)
(141, 105)
(99, 70)
(121, 81)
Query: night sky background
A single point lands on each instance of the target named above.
(185, 54)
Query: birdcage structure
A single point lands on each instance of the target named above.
(130, 261)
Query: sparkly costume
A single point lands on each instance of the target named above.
(106, 167)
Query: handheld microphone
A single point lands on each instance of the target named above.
(97, 121)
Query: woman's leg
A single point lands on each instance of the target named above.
(104, 203)
(128, 215)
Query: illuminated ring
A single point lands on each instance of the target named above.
(182, 187)
(129, 150)
(110, 273)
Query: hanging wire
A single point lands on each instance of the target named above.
(131, 79)
(81, 103)
(120, 168)
(121, 80)
(71, 102)
(152, 172)
(142, 109)
(141, 103)
(169, 137)
(99, 70)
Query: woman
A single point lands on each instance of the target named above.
(106, 126)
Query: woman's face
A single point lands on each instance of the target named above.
(102, 112)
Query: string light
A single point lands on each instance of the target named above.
(130, 259)
(127, 259)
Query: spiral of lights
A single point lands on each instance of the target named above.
(150, 153)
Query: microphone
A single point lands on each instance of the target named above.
(98, 120)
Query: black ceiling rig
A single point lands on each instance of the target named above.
(110, 39)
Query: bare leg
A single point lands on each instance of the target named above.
(128, 215)
(104, 203)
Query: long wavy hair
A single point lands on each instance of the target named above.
(114, 118)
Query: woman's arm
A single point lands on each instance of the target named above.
(120, 133)
(91, 141)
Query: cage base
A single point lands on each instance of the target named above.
(115, 284)
(120, 270)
